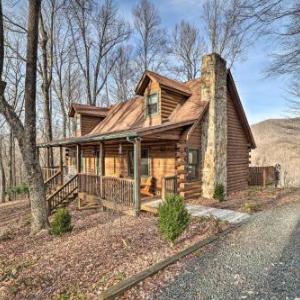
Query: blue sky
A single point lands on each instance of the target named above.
(262, 97)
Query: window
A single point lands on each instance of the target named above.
(152, 104)
(193, 164)
(145, 163)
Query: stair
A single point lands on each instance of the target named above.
(63, 195)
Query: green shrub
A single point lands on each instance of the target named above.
(173, 217)
(219, 193)
(61, 222)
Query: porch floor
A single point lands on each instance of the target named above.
(227, 215)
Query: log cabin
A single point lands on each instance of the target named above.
(172, 137)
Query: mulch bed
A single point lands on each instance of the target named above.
(258, 198)
(103, 249)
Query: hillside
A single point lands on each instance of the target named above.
(278, 141)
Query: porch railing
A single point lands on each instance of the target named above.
(49, 172)
(89, 184)
(112, 189)
(118, 190)
(169, 185)
(53, 182)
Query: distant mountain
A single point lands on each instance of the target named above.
(278, 141)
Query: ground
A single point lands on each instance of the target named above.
(259, 260)
(103, 249)
(253, 199)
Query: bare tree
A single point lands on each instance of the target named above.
(26, 134)
(97, 31)
(226, 29)
(3, 177)
(151, 38)
(187, 48)
(122, 86)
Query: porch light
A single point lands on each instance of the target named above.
(120, 149)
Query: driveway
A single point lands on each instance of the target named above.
(260, 260)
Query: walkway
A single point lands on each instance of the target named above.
(227, 215)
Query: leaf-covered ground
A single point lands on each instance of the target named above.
(103, 249)
(254, 199)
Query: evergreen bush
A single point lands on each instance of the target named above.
(61, 222)
(173, 217)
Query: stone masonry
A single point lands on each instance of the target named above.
(214, 129)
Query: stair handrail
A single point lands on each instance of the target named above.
(63, 186)
(53, 176)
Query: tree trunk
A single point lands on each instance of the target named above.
(26, 135)
(31, 160)
(3, 179)
(46, 72)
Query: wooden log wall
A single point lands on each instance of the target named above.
(88, 123)
(237, 151)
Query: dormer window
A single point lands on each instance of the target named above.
(152, 104)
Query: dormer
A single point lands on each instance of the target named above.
(161, 96)
(85, 118)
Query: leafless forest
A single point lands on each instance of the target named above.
(55, 52)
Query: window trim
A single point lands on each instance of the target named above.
(148, 160)
(158, 104)
(197, 165)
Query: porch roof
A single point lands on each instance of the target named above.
(139, 132)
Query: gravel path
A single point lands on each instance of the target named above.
(260, 260)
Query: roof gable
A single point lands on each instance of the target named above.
(164, 82)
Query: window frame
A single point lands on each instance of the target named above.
(131, 155)
(194, 165)
(147, 97)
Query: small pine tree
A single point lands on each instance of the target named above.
(173, 217)
(61, 222)
(219, 193)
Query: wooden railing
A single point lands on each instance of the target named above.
(117, 190)
(113, 189)
(89, 184)
(169, 185)
(53, 182)
(49, 172)
(62, 193)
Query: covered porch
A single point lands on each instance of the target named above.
(120, 173)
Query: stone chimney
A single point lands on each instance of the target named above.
(214, 132)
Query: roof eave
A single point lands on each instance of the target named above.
(89, 139)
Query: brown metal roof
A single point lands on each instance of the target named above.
(130, 115)
(129, 118)
(88, 110)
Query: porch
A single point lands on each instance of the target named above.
(120, 175)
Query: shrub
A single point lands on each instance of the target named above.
(61, 222)
(173, 217)
(219, 193)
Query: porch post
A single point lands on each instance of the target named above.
(78, 158)
(61, 165)
(101, 167)
(137, 175)
(101, 159)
